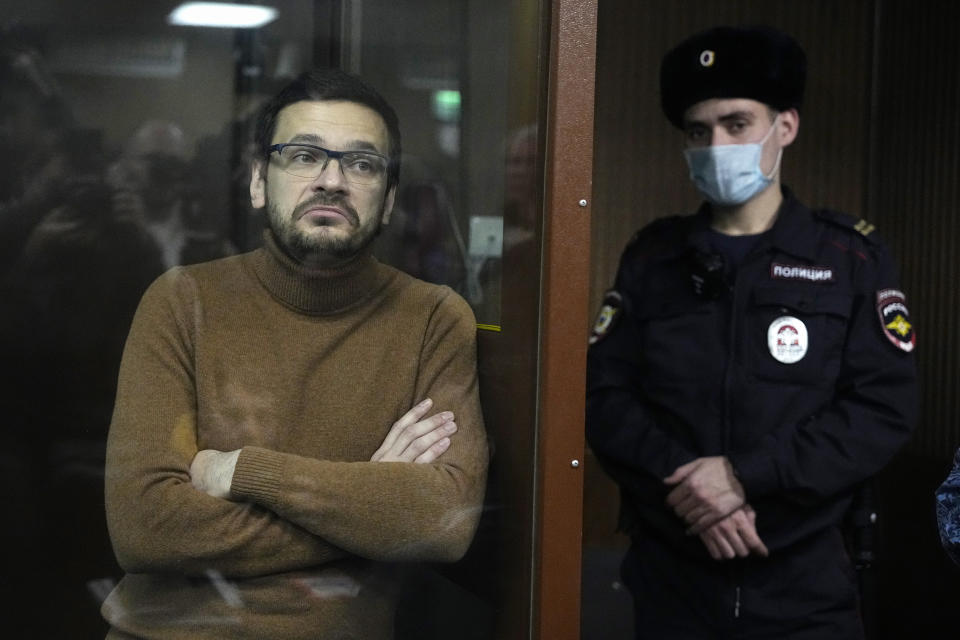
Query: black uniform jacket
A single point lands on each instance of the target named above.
(682, 366)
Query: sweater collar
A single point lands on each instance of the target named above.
(316, 291)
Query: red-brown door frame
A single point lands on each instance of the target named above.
(564, 317)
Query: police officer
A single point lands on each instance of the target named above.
(948, 511)
(750, 368)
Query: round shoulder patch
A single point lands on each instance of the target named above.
(608, 316)
(895, 319)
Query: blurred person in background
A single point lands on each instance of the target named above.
(73, 269)
(156, 182)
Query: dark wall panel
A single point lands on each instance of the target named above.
(917, 195)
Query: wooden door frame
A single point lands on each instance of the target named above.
(565, 316)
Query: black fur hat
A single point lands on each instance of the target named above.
(759, 63)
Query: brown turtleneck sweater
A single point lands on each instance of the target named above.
(305, 371)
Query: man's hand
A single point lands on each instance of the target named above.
(414, 440)
(212, 471)
(707, 491)
(735, 535)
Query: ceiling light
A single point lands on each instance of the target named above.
(222, 14)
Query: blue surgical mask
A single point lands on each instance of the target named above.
(730, 174)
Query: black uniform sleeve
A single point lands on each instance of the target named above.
(871, 416)
(621, 429)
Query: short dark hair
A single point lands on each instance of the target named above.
(329, 85)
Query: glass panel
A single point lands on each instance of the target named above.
(127, 142)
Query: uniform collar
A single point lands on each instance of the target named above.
(791, 232)
(316, 291)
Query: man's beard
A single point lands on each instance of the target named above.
(327, 247)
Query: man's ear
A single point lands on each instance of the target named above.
(789, 126)
(388, 205)
(258, 184)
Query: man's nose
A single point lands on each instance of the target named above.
(719, 136)
(331, 177)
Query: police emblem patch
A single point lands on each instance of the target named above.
(787, 339)
(608, 316)
(895, 319)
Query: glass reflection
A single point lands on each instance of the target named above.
(127, 145)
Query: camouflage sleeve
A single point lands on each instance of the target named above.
(948, 511)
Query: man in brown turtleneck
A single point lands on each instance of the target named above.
(293, 423)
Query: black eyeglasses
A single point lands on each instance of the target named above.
(309, 161)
